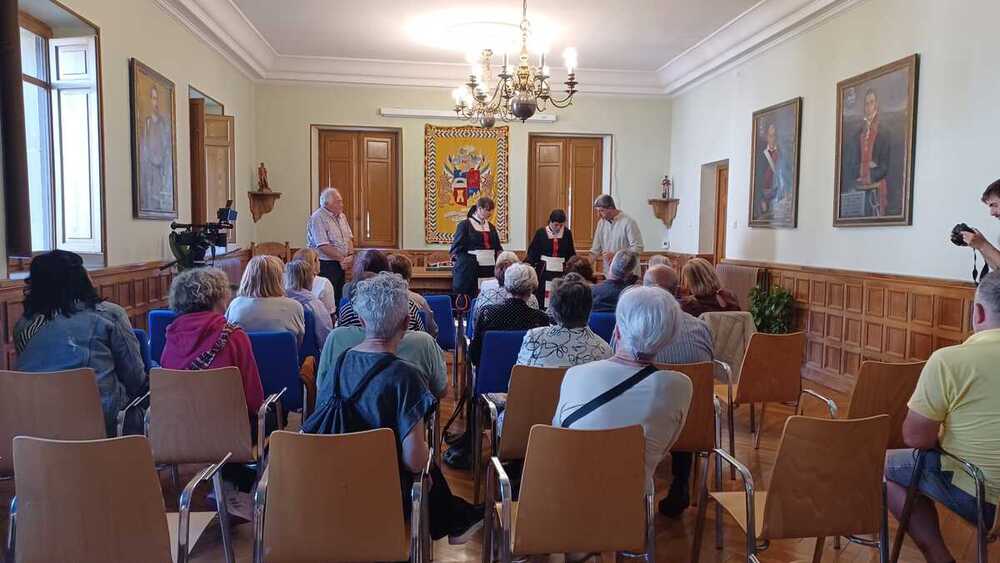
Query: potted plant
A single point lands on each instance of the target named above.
(771, 309)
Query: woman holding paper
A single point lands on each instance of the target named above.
(548, 252)
(474, 249)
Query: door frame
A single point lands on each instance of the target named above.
(315, 128)
(721, 211)
(607, 169)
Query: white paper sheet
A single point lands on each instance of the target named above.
(548, 292)
(484, 280)
(553, 263)
(486, 257)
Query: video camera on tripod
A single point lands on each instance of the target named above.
(189, 242)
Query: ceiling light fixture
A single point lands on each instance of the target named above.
(519, 91)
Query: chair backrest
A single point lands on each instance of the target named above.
(883, 388)
(827, 478)
(334, 498)
(281, 250)
(731, 331)
(105, 505)
(582, 491)
(61, 405)
(531, 399)
(343, 301)
(603, 324)
(277, 358)
(311, 345)
(772, 368)
(499, 353)
(469, 333)
(140, 335)
(158, 320)
(740, 280)
(198, 416)
(698, 434)
(445, 319)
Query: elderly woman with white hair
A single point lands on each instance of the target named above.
(388, 392)
(514, 313)
(621, 274)
(647, 319)
(493, 292)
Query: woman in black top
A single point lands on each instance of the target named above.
(554, 240)
(472, 234)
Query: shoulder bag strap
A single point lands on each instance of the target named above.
(607, 396)
(376, 369)
(205, 359)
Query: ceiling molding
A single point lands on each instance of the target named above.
(222, 25)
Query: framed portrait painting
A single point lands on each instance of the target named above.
(774, 165)
(876, 131)
(154, 149)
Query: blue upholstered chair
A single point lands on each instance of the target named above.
(157, 321)
(277, 358)
(140, 335)
(603, 324)
(311, 346)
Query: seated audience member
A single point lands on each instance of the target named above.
(416, 347)
(955, 407)
(66, 325)
(261, 304)
(706, 295)
(620, 275)
(372, 261)
(395, 398)
(659, 260)
(322, 288)
(580, 264)
(570, 342)
(514, 313)
(497, 294)
(691, 345)
(647, 319)
(298, 286)
(401, 264)
(505, 256)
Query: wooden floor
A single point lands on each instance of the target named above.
(673, 536)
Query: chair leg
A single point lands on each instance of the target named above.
(904, 518)
(694, 478)
(836, 542)
(732, 440)
(883, 533)
(753, 418)
(702, 496)
(224, 524)
(760, 426)
(175, 478)
(476, 436)
(818, 550)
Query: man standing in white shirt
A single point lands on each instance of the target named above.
(615, 231)
(329, 233)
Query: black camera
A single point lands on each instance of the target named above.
(956, 234)
(189, 242)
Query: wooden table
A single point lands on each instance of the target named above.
(431, 281)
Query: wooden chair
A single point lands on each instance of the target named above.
(109, 507)
(531, 399)
(200, 417)
(771, 373)
(281, 250)
(702, 428)
(827, 481)
(336, 498)
(581, 491)
(61, 405)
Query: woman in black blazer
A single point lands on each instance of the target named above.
(474, 234)
(553, 240)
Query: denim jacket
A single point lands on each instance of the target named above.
(99, 338)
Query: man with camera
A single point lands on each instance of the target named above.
(963, 235)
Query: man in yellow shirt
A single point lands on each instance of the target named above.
(955, 407)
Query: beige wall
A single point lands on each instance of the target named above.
(955, 152)
(140, 29)
(639, 126)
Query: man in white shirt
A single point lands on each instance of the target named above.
(329, 233)
(615, 231)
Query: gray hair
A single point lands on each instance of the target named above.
(382, 303)
(623, 264)
(647, 319)
(299, 275)
(988, 292)
(507, 256)
(520, 279)
(605, 201)
(571, 301)
(198, 289)
(325, 195)
(662, 276)
(659, 260)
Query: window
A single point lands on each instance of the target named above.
(59, 77)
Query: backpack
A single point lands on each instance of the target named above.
(339, 415)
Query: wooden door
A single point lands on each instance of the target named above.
(565, 173)
(721, 199)
(363, 166)
(213, 163)
(196, 111)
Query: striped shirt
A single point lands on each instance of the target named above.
(347, 317)
(692, 345)
(325, 228)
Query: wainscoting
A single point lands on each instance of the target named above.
(852, 316)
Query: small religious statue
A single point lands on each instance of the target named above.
(262, 185)
(667, 186)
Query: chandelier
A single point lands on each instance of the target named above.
(519, 91)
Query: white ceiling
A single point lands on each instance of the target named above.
(626, 35)
(634, 47)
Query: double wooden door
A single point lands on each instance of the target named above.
(213, 163)
(565, 173)
(363, 166)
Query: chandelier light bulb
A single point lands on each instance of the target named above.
(570, 56)
(546, 70)
(458, 95)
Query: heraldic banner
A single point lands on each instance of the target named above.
(462, 164)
